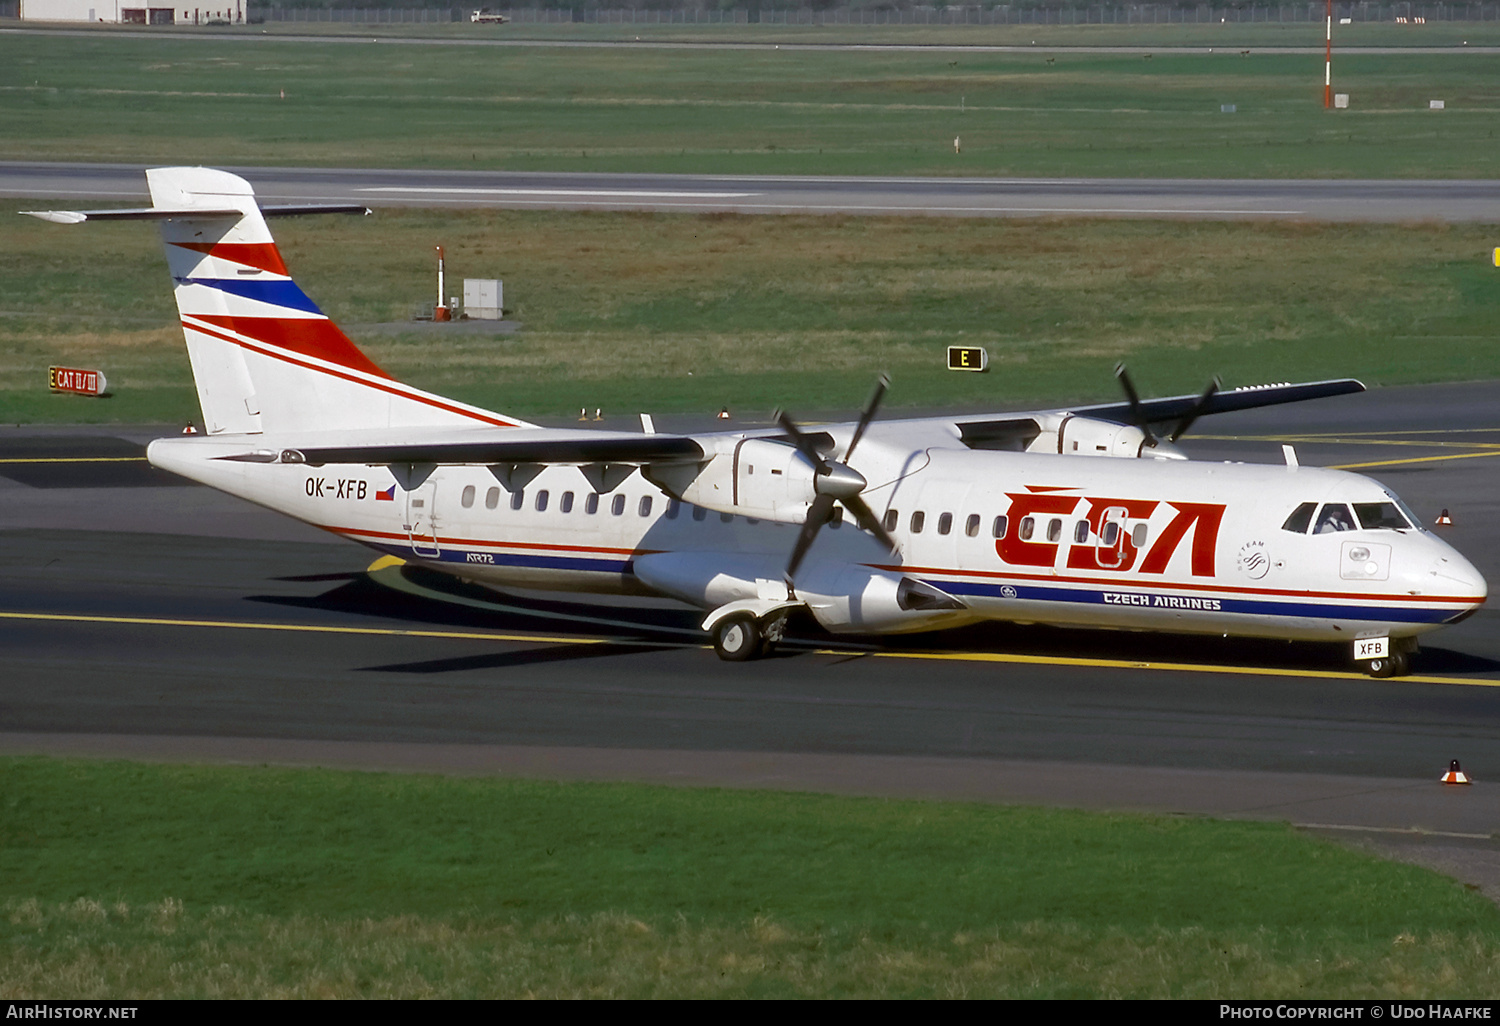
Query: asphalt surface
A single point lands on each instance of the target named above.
(70, 186)
(147, 618)
(378, 34)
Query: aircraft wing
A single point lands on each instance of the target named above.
(993, 432)
(563, 448)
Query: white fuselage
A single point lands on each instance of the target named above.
(1090, 541)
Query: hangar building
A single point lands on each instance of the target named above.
(126, 12)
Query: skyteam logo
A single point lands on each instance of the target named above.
(1253, 561)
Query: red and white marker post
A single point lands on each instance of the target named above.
(1328, 60)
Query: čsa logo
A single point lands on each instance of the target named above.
(1112, 544)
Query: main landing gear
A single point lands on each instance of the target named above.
(741, 637)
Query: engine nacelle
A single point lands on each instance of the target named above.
(754, 477)
(1086, 436)
(853, 600)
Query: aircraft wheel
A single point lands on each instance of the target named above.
(737, 638)
(1396, 665)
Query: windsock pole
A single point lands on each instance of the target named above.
(440, 312)
(1328, 60)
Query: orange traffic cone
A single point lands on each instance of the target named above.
(724, 413)
(1444, 520)
(189, 430)
(1455, 775)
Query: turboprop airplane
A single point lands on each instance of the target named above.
(1086, 516)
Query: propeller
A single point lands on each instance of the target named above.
(1197, 409)
(1138, 414)
(835, 482)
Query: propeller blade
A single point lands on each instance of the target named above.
(1137, 415)
(1197, 410)
(867, 519)
(881, 384)
(802, 442)
(818, 514)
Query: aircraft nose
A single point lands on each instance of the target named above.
(1456, 576)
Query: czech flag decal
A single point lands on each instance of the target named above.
(389, 495)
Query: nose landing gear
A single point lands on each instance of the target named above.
(1392, 657)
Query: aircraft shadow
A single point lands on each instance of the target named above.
(359, 595)
(525, 657)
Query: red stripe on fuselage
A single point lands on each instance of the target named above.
(1136, 582)
(395, 388)
(491, 543)
(261, 255)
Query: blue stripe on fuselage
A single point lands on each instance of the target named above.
(1206, 604)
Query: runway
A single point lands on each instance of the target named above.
(72, 185)
(146, 618)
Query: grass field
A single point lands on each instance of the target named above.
(128, 880)
(127, 97)
(669, 313)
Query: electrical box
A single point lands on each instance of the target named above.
(484, 298)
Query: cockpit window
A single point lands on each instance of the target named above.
(1334, 517)
(1378, 516)
(1300, 518)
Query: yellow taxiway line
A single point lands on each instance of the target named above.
(963, 657)
(79, 459)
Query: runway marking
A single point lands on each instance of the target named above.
(1136, 664)
(602, 193)
(79, 459)
(970, 657)
(251, 625)
(792, 206)
(1414, 459)
(1376, 438)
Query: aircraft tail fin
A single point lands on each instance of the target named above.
(264, 357)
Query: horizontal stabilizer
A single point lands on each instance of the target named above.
(584, 448)
(163, 214)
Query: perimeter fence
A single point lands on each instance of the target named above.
(1097, 14)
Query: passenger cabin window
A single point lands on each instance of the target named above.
(971, 526)
(1110, 534)
(1081, 531)
(1001, 525)
(1054, 530)
(467, 499)
(1381, 516)
(699, 513)
(917, 520)
(1028, 527)
(541, 501)
(517, 498)
(591, 504)
(1138, 536)
(836, 518)
(492, 498)
(891, 516)
(673, 508)
(644, 509)
(726, 517)
(617, 505)
(945, 523)
(1301, 517)
(566, 505)
(1334, 517)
